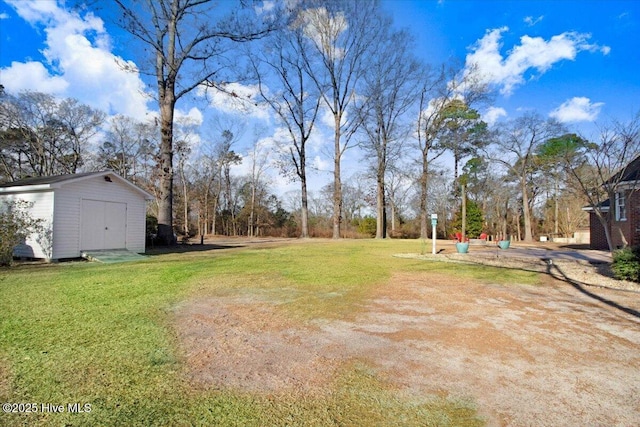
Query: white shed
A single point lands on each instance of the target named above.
(81, 212)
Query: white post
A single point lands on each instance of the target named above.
(434, 221)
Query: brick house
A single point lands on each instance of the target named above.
(623, 218)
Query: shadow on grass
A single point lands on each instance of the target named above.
(187, 248)
(556, 272)
(580, 287)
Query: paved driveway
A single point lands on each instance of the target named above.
(539, 251)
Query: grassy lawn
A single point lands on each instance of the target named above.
(101, 334)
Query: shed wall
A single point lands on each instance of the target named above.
(68, 208)
(36, 246)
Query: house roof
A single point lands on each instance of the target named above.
(57, 181)
(631, 172)
(604, 206)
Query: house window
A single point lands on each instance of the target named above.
(621, 207)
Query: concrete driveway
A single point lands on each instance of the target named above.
(540, 251)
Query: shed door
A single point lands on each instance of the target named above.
(104, 225)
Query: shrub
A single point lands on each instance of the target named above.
(15, 226)
(475, 220)
(151, 230)
(367, 225)
(626, 264)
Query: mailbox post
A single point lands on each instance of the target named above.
(434, 222)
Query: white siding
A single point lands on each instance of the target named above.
(68, 207)
(36, 246)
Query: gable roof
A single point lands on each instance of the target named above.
(57, 181)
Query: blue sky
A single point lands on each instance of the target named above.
(577, 61)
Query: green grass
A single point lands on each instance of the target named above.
(101, 334)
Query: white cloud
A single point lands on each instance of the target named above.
(577, 109)
(33, 76)
(493, 114)
(328, 119)
(4, 16)
(33, 11)
(78, 62)
(237, 99)
(269, 149)
(322, 165)
(192, 117)
(277, 145)
(531, 21)
(324, 29)
(533, 53)
(267, 6)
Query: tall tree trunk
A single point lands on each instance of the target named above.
(464, 212)
(250, 230)
(185, 196)
(381, 216)
(216, 202)
(424, 177)
(165, 198)
(205, 216)
(304, 214)
(337, 181)
(606, 226)
(526, 212)
(505, 220)
(392, 206)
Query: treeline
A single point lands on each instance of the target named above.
(516, 178)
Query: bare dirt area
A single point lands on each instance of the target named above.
(549, 355)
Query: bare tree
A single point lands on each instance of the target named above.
(389, 91)
(295, 101)
(128, 149)
(446, 102)
(225, 158)
(398, 188)
(607, 173)
(515, 149)
(434, 95)
(551, 157)
(341, 33)
(190, 48)
(183, 150)
(43, 136)
(205, 175)
(258, 157)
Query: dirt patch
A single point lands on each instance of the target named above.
(528, 355)
(247, 343)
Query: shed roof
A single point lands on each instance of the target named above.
(57, 181)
